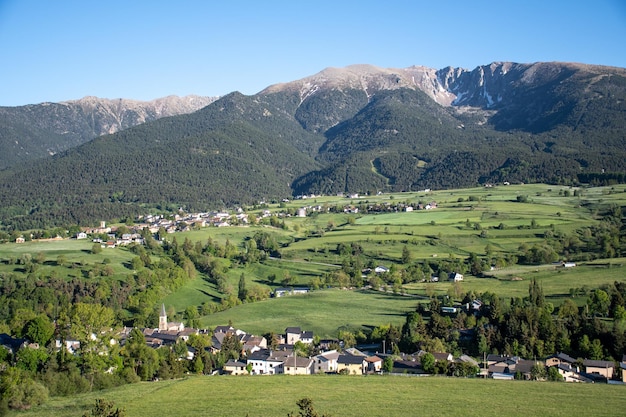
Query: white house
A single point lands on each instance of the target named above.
(267, 362)
(325, 362)
(282, 291)
(455, 276)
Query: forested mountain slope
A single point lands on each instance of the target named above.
(355, 129)
(196, 161)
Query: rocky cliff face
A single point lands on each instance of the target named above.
(510, 95)
(486, 86)
(370, 79)
(106, 116)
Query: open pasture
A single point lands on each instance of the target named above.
(556, 282)
(346, 396)
(74, 254)
(322, 312)
(195, 292)
(465, 221)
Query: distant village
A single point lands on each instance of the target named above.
(182, 222)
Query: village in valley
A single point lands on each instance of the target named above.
(439, 266)
(300, 352)
(284, 356)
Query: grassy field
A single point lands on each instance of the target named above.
(309, 250)
(448, 231)
(555, 281)
(325, 311)
(76, 253)
(345, 396)
(322, 312)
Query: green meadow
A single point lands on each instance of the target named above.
(346, 396)
(467, 221)
(452, 230)
(322, 312)
(63, 258)
(555, 281)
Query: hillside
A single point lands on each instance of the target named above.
(354, 129)
(503, 249)
(195, 161)
(40, 130)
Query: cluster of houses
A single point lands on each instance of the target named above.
(257, 358)
(171, 224)
(184, 222)
(390, 207)
(572, 370)
(285, 359)
(155, 224)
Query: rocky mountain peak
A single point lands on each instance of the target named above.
(484, 87)
(118, 114)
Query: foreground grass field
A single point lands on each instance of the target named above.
(341, 396)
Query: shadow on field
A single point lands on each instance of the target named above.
(555, 296)
(211, 296)
(393, 314)
(384, 295)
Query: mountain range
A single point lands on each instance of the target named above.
(40, 130)
(355, 129)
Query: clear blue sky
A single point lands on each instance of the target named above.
(65, 49)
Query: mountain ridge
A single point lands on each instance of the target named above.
(39, 130)
(357, 129)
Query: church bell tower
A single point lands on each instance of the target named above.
(163, 319)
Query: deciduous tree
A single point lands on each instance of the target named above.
(428, 363)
